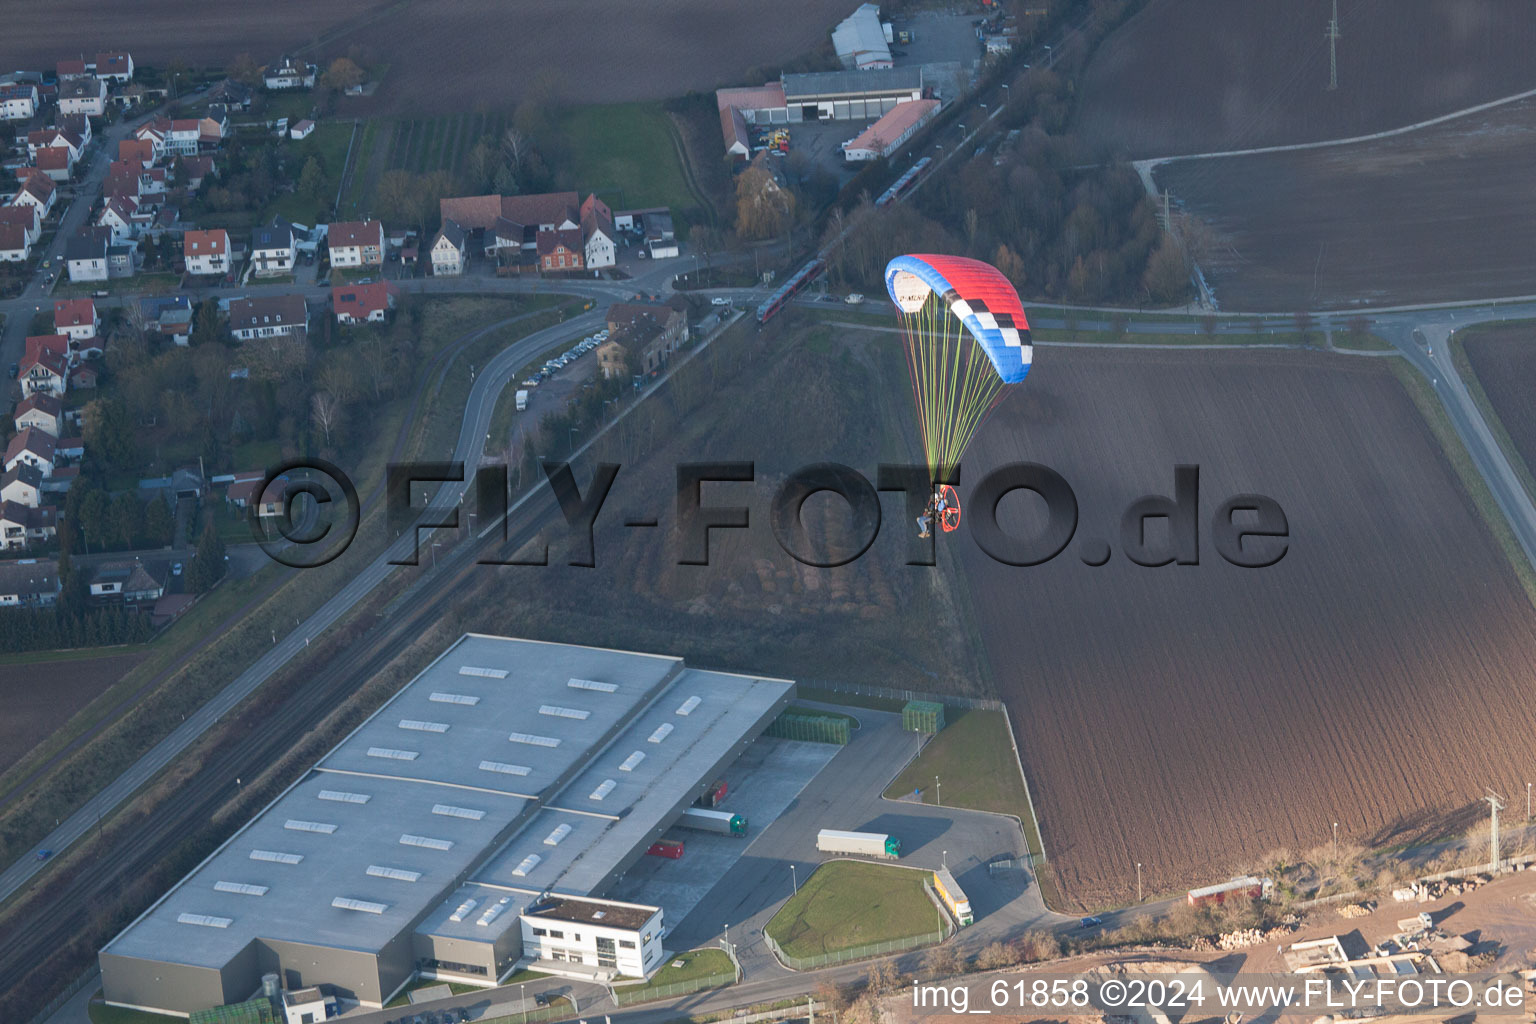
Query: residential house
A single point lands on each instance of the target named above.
(77, 125)
(243, 488)
(66, 70)
(116, 67)
(15, 246)
(645, 336)
(68, 448)
(154, 133)
(120, 216)
(597, 234)
(168, 315)
(289, 74)
(230, 93)
(36, 189)
(83, 96)
(82, 378)
(194, 169)
(131, 582)
(22, 485)
(268, 317)
(32, 447)
(513, 221)
(560, 250)
(449, 250)
(122, 259)
(183, 136)
(356, 243)
(363, 303)
(42, 138)
(28, 582)
(22, 527)
(213, 127)
(76, 319)
(272, 248)
(26, 216)
(41, 411)
(56, 161)
(86, 254)
(206, 252)
(44, 367)
(613, 358)
(140, 151)
(303, 130)
(18, 102)
(125, 180)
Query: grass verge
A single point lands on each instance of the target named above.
(847, 904)
(1463, 365)
(694, 966)
(1423, 396)
(101, 1013)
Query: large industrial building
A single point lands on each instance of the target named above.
(497, 795)
(860, 40)
(818, 96)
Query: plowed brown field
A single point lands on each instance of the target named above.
(39, 697)
(1192, 76)
(1193, 718)
(1504, 359)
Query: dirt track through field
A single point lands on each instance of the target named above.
(1433, 215)
(1193, 718)
(1194, 76)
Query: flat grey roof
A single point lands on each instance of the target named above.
(876, 82)
(644, 797)
(404, 806)
(297, 901)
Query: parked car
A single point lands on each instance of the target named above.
(719, 300)
(176, 569)
(854, 298)
(44, 854)
(1092, 922)
(531, 382)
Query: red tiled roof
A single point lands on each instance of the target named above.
(359, 300)
(32, 439)
(70, 67)
(53, 158)
(547, 208)
(42, 401)
(549, 241)
(471, 211)
(12, 237)
(355, 232)
(206, 243)
(58, 344)
(141, 150)
(73, 313)
(26, 216)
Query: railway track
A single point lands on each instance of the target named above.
(56, 915)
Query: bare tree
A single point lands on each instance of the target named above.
(325, 411)
(942, 961)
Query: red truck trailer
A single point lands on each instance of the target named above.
(666, 848)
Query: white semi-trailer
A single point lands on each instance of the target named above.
(720, 822)
(869, 844)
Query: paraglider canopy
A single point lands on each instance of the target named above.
(967, 343)
(976, 293)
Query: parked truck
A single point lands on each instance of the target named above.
(870, 844)
(522, 400)
(953, 896)
(720, 822)
(713, 795)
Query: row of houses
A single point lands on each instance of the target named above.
(652, 331)
(553, 232)
(34, 582)
(78, 87)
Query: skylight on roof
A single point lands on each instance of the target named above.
(555, 711)
(205, 920)
(426, 841)
(532, 740)
(243, 888)
(398, 874)
(632, 761)
(419, 726)
(463, 910)
(504, 768)
(455, 698)
(274, 857)
(484, 673)
(688, 705)
(299, 825)
(560, 832)
(592, 684)
(393, 754)
(366, 906)
(492, 912)
(343, 797)
(603, 789)
(662, 732)
(450, 811)
(528, 864)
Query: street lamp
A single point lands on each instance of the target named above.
(1335, 846)
(1050, 56)
(794, 885)
(944, 859)
(1138, 881)
(938, 792)
(522, 998)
